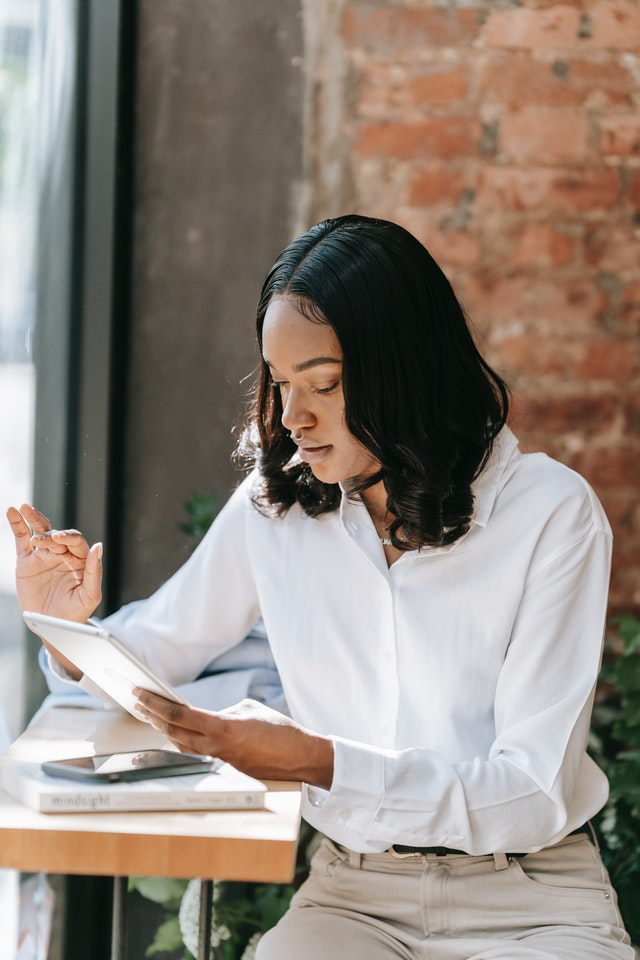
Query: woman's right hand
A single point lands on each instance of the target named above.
(56, 572)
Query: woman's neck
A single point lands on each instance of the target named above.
(375, 500)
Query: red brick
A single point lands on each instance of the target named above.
(551, 190)
(439, 84)
(613, 247)
(617, 360)
(630, 308)
(554, 413)
(519, 80)
(597, 359)
(533, 29)
(624, 592)
(384, 31)
(615, 25)
(620, 135)
(602, 83)
(626, 553)
(632, 417)
(623, 511)
(433, 186)
(633, 190)
(380, 93)
(444, 137)
(573, 305)
(544, 136)
(451, 248)
(540, 245)
(612, 467)
(384, 90)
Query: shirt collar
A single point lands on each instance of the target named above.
(487, 486)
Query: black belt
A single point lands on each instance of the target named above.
(408, 851)
(402, 850)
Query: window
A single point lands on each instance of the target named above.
(19, 100)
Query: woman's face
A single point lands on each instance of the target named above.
(305, 360)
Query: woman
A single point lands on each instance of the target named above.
(435, 603)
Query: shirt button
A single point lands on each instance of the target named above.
(345, 813)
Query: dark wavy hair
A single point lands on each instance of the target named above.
(418, 394)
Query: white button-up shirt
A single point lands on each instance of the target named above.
(457, 684)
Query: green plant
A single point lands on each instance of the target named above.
(615, 745)
(242, 912)
(201, 510)
(167, 940)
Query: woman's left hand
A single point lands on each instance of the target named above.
(252, 737)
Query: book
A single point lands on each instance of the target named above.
(222, 789)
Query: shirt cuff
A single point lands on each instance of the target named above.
(357, 789)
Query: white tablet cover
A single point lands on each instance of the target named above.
(102, 657)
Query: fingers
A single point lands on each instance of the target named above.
(36, 520)
(21, 532)
(175, 714)
(32, 530)
(62, 541)
(186, 727)
(92, 578)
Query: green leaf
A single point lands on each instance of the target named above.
(629, 633)
(159, 889)
(167, 939)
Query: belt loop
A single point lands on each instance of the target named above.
(501, 861)
(592, 833)
(355, 860)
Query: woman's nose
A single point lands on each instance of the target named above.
(295, 413)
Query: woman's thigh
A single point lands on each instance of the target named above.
(557, 904)
(554, 905)
(342, 913)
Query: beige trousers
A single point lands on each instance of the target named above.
(557, 904)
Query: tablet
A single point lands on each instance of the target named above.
(106, 661)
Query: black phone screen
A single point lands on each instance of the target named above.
(135, 765)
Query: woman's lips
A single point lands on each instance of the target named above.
(313, 454)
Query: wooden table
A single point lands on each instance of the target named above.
(254, 845)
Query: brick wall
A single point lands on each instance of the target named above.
(506, 135)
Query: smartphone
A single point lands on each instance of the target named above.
(137, 765)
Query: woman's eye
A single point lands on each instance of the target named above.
(283, 384)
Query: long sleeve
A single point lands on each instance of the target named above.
(205, 609)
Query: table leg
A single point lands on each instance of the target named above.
(206, 919)
(119, 919)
